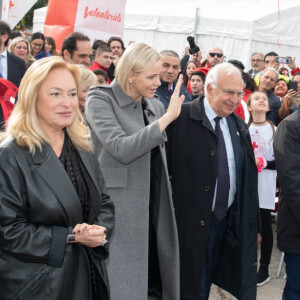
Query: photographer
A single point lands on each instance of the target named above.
(191, 50)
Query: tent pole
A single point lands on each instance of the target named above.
(197, 16)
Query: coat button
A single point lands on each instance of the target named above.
(206, 189)
(202, 223)
(212, 153)
(251, 194)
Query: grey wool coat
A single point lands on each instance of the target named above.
(123, 144)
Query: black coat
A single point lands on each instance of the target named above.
(16, 69)
(38, 208)
(287, 157)
(192, 156)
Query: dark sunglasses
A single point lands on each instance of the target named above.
(213, 54)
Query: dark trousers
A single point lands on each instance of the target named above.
(214, 248)
(292, 286)
(267, 236)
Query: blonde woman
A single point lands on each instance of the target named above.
(21, 48)
(87, 79)
(55, 217)
(128, 125)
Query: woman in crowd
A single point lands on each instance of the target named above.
(21, 48)
(38, 46)
(87, 79)
(286, 96)
(284, 71)
(128, 125)
(262, 135)
(190, 67)
(50, 46)
(55, 216)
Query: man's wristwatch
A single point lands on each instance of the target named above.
(71, 239)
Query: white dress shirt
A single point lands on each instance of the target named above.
(3, 62)
(210, 113)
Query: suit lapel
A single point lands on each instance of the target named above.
(53, 173)
(236, 141)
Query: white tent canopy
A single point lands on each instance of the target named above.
(239, 27)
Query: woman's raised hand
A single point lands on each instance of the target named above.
(174, 107)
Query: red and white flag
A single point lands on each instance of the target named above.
(98, 19)
(14, 10)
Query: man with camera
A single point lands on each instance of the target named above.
(191, 50)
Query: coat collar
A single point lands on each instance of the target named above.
(122, 99)
(53, 173)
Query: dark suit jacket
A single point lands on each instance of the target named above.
(39, 206)
(16, 69)
(193, 162)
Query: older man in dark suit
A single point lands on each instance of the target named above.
(214, 179)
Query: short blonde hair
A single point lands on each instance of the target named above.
(137, 58)
(23, 124)
(13, 44)
(87, 77)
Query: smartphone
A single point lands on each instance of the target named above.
(293, 85)
(283, 60)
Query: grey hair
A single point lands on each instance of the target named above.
(270, 69)
(213, 74)
(169, 53)
(257, 53)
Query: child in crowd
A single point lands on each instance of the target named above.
(101, 76)
(262, 134)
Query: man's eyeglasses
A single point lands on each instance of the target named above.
(37, 45)
(256, 60)
(231, 93)
(213, 54)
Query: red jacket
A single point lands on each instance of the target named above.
(8, 93)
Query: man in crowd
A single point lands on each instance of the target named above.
(168, 77)
(287, 156)
(12, 68)
(214, 57)
(267, 82)
(196, 57)
(116, 45)
(77, 49)
(257, 64)
(197, 83)
(103, 59)
(214, 179)
(270, 60)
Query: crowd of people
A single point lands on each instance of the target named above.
(133, 174)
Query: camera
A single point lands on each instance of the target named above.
(283, 60)
(193, 47)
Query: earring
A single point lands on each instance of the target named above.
(130, 82)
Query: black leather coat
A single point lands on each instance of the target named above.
(38, 208)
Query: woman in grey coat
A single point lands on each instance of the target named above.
(127, 122)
